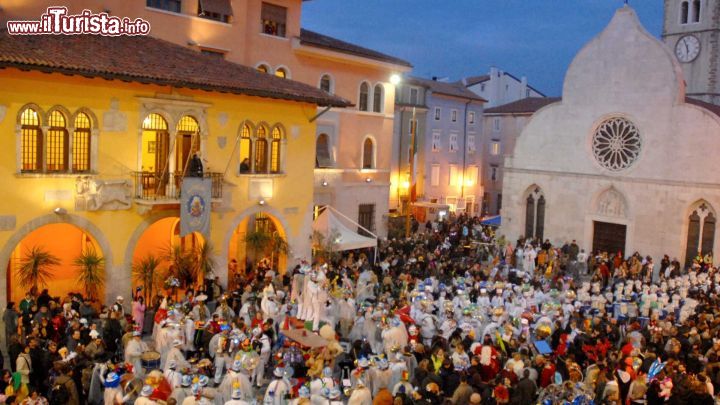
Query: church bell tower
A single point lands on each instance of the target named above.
(691, 29)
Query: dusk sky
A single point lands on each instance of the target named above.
(457, 38)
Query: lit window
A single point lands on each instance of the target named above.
(273, 19)
(453, 116)
(31, 139)
(452, 178)
(326, 83)
(263, 68)
(187, 142)
(275, 145)
(471, 117)
(261, 144)
(495, 148)
(368, 152)
(377, 98)
(56, 150)
(246, 148)
(437, 113)
(435, 175)
(282, 73)
(167, 5)
(364, 94)
(322, 151)
(81, 143)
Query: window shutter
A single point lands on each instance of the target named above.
(274, 13)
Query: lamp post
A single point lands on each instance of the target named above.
(413, 130)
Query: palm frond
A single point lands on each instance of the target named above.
(146, 273)
(206, 259)
(34, 268)
(91, 272)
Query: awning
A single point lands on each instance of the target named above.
(491, 221)
(345, 238)
(221, 7)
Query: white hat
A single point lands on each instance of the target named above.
(177, 342)
(94, 334)
(201, 297)
(147, 391)
(119, 298)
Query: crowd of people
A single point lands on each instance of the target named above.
(453, 314)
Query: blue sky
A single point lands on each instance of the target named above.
(457, 38)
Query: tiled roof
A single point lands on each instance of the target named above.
(473, 80)
(323, 41)
(449, 89)
(523, 106)
(146, 59)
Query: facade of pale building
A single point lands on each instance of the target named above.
(499, 87)
(619, 164)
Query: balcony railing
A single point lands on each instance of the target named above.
(154, 186)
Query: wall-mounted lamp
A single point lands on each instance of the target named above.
(368, 180)
(60, 211)
(324, 183)
(395, 79)
(261, 202)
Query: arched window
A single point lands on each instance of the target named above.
(81, 143)
(281, 72)
(246, 147)
(326, 83)
(368, 160)
(535, 214)
(322, 151)
(56, 151)
(696, 11)
(684, 11)
(187, 143)
(364, 94)
(263, 68)
(275, 145)
(261, 144)
(31, 141)
(377, 98)
(701, 232)
(156, 149)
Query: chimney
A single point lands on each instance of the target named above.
(494, 72)
(434, 78)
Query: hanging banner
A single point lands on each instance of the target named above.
(195, 203)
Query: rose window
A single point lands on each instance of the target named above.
(616, 144)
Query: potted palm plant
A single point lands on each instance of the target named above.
(278, 246)
(146, 273)
(205, 260)
(257, 242)
(91, 272)
(34, 268)
(182, 265)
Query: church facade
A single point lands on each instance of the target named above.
(624, 161)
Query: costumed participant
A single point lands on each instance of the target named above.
(224, 311)
(394, 337)
(173, 377)
(303, 397)
(113, 394)
(381, 376)
(361, 395)
(219, 349)
(278, 390)
(404, 386)
(237, 397)
(144, 398)
(176, 356)
(237, 376)
(133, 352)
(326, 381)
(261, 342)
(268, 306)
(184, 390)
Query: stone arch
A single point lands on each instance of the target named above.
(139, 230)
(611, 202)
(535, 204)
(700, 228)
(42, 117)
(89, 113)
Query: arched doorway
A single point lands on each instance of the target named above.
(161, 254)
(58, 257)
(258, 238)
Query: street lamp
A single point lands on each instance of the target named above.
(395, 79)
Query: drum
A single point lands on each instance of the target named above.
(150, 360)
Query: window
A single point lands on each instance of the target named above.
(282, 73)
(187, 142)
(471, 143)
(413, 96)
(377, 98)
(273, 19)
(366, 218)
(263, 68)
(217, 54)
(81, 144)
(275, 146)
(493, 172)
(535, 214)
(471, 118)
(701, 232)
(363, 101)
(452, 177)
(31, 141)
(412, 125)
(436, 141)
(495, 148)
(218, 10)
(453, 115)
(435, 175)
(326, 83)
(696, 11)
(261, 144)
(527, 93)
(437, 113)
(56, 151)
(482, 87)
(368, 152)
(453, 147)
(684, 11)
(471, 178)
(246, 148)
(167, 5)
(322, 151)
(496, 124)
(499, 202)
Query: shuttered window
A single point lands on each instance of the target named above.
(273, 19)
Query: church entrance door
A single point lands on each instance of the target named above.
(609, 237)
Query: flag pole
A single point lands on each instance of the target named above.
(413, 130)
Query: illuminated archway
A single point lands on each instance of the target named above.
(254, 239)
(65, 242)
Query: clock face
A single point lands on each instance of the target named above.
(687, 48)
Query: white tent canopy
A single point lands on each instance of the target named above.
(328, 223)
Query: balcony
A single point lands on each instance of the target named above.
(156, 188)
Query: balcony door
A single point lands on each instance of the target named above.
(188, 143)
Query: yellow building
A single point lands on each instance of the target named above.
(97, 133)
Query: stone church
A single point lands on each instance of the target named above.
(625, 160)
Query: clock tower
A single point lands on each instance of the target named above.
(692, 31)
